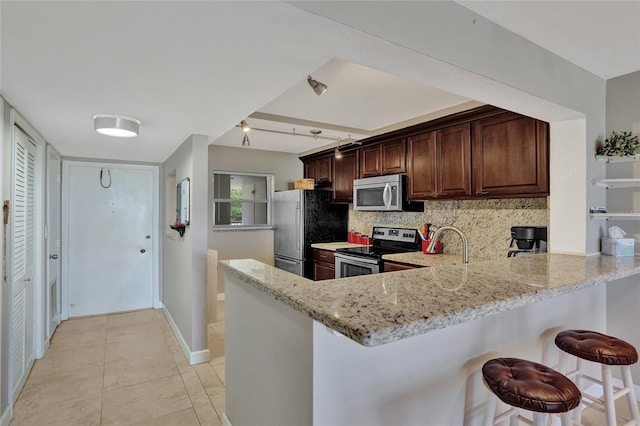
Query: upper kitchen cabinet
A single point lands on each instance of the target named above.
(510, 156)
(320, 169)
(383, 159)
(439, 163)
(345, 171)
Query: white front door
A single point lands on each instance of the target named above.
(23, 261)
(53, 293)
(110, 228)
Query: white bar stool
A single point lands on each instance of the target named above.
(529, 386)
(609, 352)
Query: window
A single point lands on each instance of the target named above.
(241, 200)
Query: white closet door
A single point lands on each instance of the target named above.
(23, 262)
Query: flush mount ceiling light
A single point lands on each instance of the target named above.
(317, 87)
(116, 125)
(245, 140)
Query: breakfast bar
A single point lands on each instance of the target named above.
(405, 347)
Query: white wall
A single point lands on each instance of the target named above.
(254, 244)
(185, 259)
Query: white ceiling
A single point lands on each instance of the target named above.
(187, 68)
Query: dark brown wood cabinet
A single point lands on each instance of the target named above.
(394, 155)
(323, 265)
(486, 152)
(345, 171)
(439, 163)
(510, 156)
(383, 159)
(394, 266)
(421, 154)
(320, 169)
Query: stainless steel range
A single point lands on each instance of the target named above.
(354, 261)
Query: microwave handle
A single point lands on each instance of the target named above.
(386, 196)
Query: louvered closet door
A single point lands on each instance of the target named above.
(23, 262)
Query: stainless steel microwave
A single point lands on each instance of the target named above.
(383, 193)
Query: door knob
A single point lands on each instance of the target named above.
(148, 237)
(53, 256)
(142, 250)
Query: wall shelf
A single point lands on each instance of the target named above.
(616, 183)
(613, 159)
(617, 216)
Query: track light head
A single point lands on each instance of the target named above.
(317, 87)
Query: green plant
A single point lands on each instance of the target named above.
(620, 144)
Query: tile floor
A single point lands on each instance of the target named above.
(127, 369)
(123, 369)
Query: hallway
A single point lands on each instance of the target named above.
(123, 369)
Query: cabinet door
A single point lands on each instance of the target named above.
(324, 169)
(323, 271)
(393, 157)
(392, 266)
(454, 161)
(421, 155)
(346, 170)
(370, 161)
(310, 169)
(510, 156)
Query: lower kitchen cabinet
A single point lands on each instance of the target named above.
(345, 171)
(393, 266)
(510, 156)
(323, 265)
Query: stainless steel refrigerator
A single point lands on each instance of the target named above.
(301, 218)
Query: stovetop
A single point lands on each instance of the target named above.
(387, 241)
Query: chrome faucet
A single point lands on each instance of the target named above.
(431, 248)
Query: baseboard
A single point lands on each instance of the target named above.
(225, 420)
(193, 357)
(6, 417)
(199, 357)
(220, 297)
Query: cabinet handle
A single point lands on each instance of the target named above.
(482, 192)
(443, 193)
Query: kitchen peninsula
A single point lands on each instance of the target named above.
(415, 339)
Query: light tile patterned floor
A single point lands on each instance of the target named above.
(127, 369)
(123, 369)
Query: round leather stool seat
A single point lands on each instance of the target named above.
(530, 386)
(597, 347)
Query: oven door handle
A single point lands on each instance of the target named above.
(386, 196)
(356, 259)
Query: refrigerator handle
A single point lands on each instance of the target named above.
(386, 196)
(298, 226)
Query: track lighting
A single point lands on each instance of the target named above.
(337, 154)
(317, 87)
(245, 127)
(245, 140)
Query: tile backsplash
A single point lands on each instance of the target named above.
(486, 223)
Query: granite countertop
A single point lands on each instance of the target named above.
(382, 308)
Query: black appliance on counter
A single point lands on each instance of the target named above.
(528, 240)
(352, 261)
